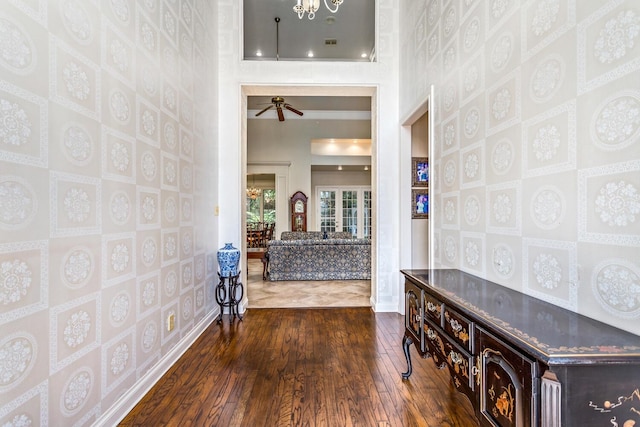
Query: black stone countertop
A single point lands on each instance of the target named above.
(553, 334)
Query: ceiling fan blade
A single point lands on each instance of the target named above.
(280, 113)
(269, 107)
(290, 108)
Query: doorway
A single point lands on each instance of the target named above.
(292, 182)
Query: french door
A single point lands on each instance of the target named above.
(344, 209)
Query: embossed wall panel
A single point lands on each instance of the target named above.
(97, 141)
(545, 121)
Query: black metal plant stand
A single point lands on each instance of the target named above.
(229, 293)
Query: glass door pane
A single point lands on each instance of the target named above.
(367, 214)
(350, 212)
(328, 210)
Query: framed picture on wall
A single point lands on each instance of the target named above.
(420, 168)
(420, 203)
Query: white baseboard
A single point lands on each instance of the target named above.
(127, 401)
(387, 307)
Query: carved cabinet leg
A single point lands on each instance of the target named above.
(406, 343)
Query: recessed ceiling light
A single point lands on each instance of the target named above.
(363, 55)
(366, 168)
(258, 53)
(340, 167)
(310, 54)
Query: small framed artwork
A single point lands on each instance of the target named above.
(420, 203)
(420, 171)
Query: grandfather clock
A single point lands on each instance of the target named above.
(298, 211)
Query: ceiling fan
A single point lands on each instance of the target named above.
(278, 102)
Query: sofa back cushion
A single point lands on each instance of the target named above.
(314, 235)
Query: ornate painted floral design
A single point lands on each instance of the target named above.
(149, 335)
(77, 328)
(617, 287)
(120, 308)
(546, 143)
(17, 353)
(617, 204)
(450, 249)
(15, 126)
(119, 55)
(547, 78)
(187, 243)
(148, 123)
(120, 258)
(199, 298)
(170, 172)
(120, 359)
(186, 13)
(187, 308)
(471, 34)
(171, 283)
(149, 208)
(170, 98)
(76, 392)
(170, 247)
(547, 207)
(450, 56)
(449, 97)
(120, 107)
(545, 16)
(19, 204)
(78, 145)
(472, 210)
(499, 7)
(77, 267)
(501, 104)
(148, 36)
(449, 173)
(76, 20)
(77, 205)
(170, 136)
(149, 293)
(187, 145)
(471, 78)
(471, 122)
(547, 271)
(149, 251)
(16, 48)
(199, 269)
(471, 165)
(76, 81)
(433, 44)
(15, 280)
(187, 274)
(169, 24)
(617, 37)
(170, 209)
(449, 134)
(472, 253)
(120, 156)
(449, 211)
(502, 157)
(186, 210)
(501, 52)
(120, 208)
(20, 420)
(617, 124)
(148, 166)
(503, 261)
(120, 9)
(502, 208)
(187, 178)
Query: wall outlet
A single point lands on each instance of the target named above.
(171, 322)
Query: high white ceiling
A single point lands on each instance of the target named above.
(353, 28)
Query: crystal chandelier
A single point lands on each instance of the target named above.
(312, 6)
(253, 192)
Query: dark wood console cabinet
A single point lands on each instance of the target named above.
(521, 361)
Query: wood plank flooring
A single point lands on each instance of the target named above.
(303, 367)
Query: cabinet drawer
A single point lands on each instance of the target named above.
(459, 328)
(434, 343)
(433, 308)
(460, 364)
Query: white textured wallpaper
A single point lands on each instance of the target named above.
(536, 181)
(105, 131)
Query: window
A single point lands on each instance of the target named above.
(262, 209)
(345, 209)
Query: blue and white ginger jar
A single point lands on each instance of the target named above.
(228, 260)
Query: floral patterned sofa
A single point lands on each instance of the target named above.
(314, 235)
(319, 259)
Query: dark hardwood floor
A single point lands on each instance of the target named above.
(303, 367)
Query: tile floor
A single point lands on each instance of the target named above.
(315, 293)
